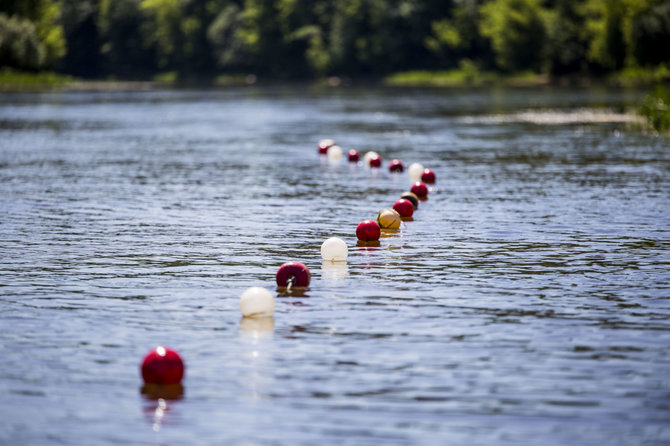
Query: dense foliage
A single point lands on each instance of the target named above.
(311, 38)
(655, 109)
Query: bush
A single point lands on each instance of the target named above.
(655, 109)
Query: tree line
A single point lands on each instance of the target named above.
(302, 39)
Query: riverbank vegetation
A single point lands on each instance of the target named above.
(430, 42)
(12, 80)
(655, 109)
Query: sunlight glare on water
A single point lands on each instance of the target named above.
(527, 303)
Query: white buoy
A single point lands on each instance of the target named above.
(334, 249)
(334, 153)
(257, 302)
(370, 154)
(326, 143)
(415, 171)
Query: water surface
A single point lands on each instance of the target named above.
(527, 303)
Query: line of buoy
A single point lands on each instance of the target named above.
(162, 369)
(368, 232)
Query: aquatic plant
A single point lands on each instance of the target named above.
(655, 109)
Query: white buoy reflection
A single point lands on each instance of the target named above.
(257, 327)
(334, 270)
(257, 336)
(159, 413)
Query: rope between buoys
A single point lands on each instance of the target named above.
(289, 283)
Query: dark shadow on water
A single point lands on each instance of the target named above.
(293, 292)
(171, 392)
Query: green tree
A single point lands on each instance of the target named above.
(262, 35)
(178, 30)
(516, 31)
(376, 36)
(45, 16)
(230, 52)
(649, 34)
(567, 38)
(126, 50)
(162, 29)
(82, 36)
(605, 27)
(458, 37)
(19, 45)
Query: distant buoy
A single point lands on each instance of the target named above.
(162, 366)
(420, 190)
(428, 176)
(294, 273)
(324, 145)
(389, 219)
(367, 156)
(415, 171)
(375, 161)
(257, 302)
(396, 166)
(353, 155)
(368, 231)
(404, 207)
(334, 153)
(334, 249)
(411, 197)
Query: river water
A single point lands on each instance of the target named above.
(527, 303)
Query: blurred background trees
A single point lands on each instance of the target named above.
(297, 39)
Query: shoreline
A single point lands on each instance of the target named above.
(17, 81)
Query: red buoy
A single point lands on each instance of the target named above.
(404, 207)
(324, 145)
(294, 273)
(368, 231)
(396, 166)
(353, 155)
(419, 189)
(375, 161)
(428, 176)
(162, 366)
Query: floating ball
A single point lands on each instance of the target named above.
(334, 249)
(415, 171)
(396, 166)
(404, 207)
(388, 219)
(294, 272)
(162, 366)
(419, 189)
(257, 302)
(368, 155)
(324, 145)
(428, 176)
(334, 153)
(411, 197)
(353, 155)
(375, 161)
(368, 231)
